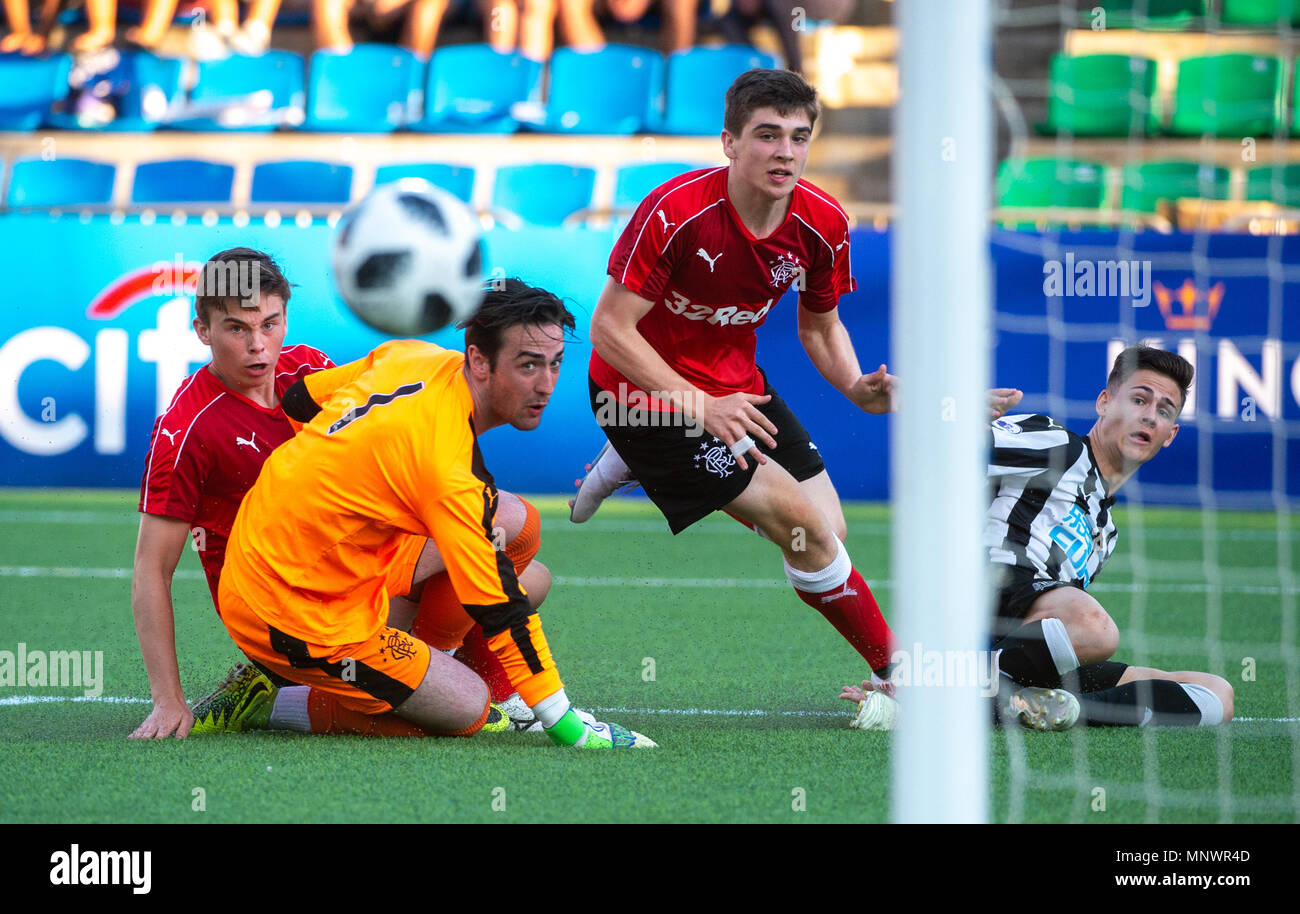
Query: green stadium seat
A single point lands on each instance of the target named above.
(1146, 184)
(1264, 13)
(1101, 95)
(1227, 95)
(1051, 183)
(1280, 186)
(1145, 14)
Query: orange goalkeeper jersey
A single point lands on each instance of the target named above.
(392, 451)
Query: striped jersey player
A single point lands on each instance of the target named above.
(1051, 513)
(1049, 533)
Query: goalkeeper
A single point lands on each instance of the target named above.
(390, 448)
(1049, 532)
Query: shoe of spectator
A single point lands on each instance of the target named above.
(206, 43)
(253, 39)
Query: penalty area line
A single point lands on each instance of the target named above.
(20, 700)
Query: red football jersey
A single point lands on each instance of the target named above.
(713, 282)
(207, 449)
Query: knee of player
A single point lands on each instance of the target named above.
(841, 530)
(1223, 689)
(1103, 631)
(512, 512)
(536, 580)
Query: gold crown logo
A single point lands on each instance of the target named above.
(1186, 296)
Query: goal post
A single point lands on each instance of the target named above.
(940, 328)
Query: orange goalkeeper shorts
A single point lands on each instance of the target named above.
(372, 677)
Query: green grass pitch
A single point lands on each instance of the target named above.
(695, 641)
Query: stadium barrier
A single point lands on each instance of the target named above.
(97, 337)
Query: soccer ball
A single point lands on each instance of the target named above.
(408, 259)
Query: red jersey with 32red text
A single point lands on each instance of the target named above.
(712, 282)
(207, 449)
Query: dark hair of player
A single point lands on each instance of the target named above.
(510, 303)
(1137, 358)
(226, 274)
(781, 90)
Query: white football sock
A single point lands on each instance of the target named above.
(289, 711)
(1208, 703)
(832, 576)
(551, 708)
(1058, 644)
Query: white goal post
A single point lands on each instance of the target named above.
(942, 167)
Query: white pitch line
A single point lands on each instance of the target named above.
(871, 528)
(1267, 590)
(22, 700)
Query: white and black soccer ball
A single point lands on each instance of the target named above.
(408, 259)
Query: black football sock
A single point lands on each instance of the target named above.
(1148, 702)
(1094, 677)
(1033, 656)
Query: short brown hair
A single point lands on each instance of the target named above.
(507, 304)
(1136, 358)
(216, 290)
(785, 91)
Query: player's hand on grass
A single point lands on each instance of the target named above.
(875, 392)
(168, 718)
(1002, 400)
(735, 417)
(854, 693)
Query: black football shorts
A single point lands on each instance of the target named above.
(687, 472)
(1017, 589)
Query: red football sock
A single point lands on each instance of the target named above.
(853, 611)
(476, 655)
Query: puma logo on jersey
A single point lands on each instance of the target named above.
(664, 220)
(841, 244)
(171, 436)
(248, 441)
(846, 592)
(712, 260)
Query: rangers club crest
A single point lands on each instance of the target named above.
(716, 458)
(785, 270)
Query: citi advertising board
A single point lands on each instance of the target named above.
(96, 338)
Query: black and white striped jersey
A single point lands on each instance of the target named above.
(1050, 512)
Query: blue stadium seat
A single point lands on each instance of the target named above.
(29, 86)
(471, 89)
(301, 182)
(458, 179)
(238, 76)
(630, 83)
(60, 182)
(697, 82)
(145, 75)
(371, 89)
(632, 183)
(182, 181)
(543, 194)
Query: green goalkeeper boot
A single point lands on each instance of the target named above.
(242, 702)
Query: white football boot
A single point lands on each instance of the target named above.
(605, 476)
(523, 720)
(877, 711)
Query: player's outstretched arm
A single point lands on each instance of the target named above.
(826, 340)
(617, 340)
(157, 552)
